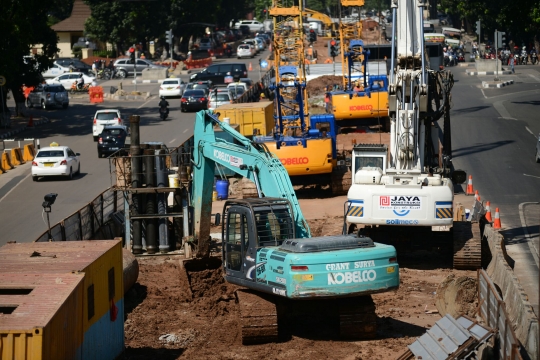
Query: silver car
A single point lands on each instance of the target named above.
(124, 67)
(46, 96)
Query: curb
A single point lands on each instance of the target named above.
(148, 81)
(503, 72)
(19, 129)
(496, 84)
(129, 97)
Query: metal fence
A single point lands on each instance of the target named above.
(90, 222)
(492, 311)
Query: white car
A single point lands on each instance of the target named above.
(56, 160)
(68, 79)
(245, 50)
(260, 43)
(54, 71)
(172, 87)
(222, 97)
(105, 117)
(253, 43)
(237, 89)
(254, 25)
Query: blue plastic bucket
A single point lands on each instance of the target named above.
(222, 188)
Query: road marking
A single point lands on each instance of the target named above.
(538, 177)
(173, 140)
(527, 235)
(529, 130)
(183, 132)
(14, 187)
(534, 77)
(145, 103)
(498, 105)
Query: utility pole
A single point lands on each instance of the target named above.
(496, 41)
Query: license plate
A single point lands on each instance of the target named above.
(169, 88)
(48, 164)
(113, 148)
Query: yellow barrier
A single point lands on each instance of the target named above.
(6, 161)
(16, 157)
(29, 152)
(1, 169)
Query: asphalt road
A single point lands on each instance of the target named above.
(494, 134)
(21, 198)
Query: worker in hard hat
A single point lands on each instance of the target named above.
(358, 87)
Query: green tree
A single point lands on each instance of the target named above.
(21, 30)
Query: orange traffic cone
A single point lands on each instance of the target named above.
(488, 212)
(470, 190)
(250, 67)
(476, 196)
(497, 221)
(30, 122)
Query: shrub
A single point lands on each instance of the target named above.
(105, 53)
(77, 51)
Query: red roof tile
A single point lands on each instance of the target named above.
(75, 22)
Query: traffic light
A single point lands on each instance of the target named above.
(312, 35)
(478, 27)
(502, 39)
(333, 48)
(169, 36)
(132, 55)
(264, 12)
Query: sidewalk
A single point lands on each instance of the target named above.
(19, 124)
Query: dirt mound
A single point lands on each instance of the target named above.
(319, 85)
(457, 295)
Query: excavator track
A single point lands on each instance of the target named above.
(341, 180)
(357, 318)
(467, 246)
(259, 317)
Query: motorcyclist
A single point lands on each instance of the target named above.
(533, 55)
(80, 82)
(524, 55)
(164, 105)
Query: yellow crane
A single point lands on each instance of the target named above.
(325, 19)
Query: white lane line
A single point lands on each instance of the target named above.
(145, 103)
(538, 177)
(534, 77)
(185, 131)
(534, 251)
(498, 105)
(529, 130)
(13, 188)
(173, 140)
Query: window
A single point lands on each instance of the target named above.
(64, 77)
(112, 290)
(106, 116)
(170, 82)
(90, 301)
(273, 226)
(212, 69)
(74, 76)
(50, 153)
(221, 97)
(364, 161)
(141, 62)
(237, 235)
(121, 62)
(55, 89)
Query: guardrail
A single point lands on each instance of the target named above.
(492, 310)
(90, 222)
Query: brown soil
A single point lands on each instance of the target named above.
(194, 312)
(319, 85)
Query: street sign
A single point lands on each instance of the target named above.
(2, 80)
(264, 64)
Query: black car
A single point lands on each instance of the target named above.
(200, 85)
(111, 139)
(78, 64)
(219, 72)
(194, 100)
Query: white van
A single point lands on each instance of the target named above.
(254, 25)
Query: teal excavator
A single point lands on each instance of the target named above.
(267, 247)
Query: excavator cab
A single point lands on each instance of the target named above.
(251, 224)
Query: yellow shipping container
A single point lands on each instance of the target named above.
(253, 118)
(102, 301)
(41, 316)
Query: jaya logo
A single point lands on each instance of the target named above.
(233, 160)
(351, 277)
(360, 107)
(294, 161)
(400, 203)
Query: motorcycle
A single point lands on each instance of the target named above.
(75, 87)
(228, 52)
(524, 59)
(460, 56)
(534, 58)
(163, 112)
